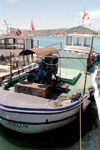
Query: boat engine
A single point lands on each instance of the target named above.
(43, 74)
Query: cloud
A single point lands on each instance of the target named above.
(2, 28)
(95, 14)
(92, 14)
(76, 19)
(12, 0)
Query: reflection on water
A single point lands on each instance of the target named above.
(65, 138)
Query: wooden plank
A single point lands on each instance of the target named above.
(35, 89)
(20, 100)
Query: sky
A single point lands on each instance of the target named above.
(49, 14)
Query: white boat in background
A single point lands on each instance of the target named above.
(96, 85)
(11, 44)
(15, 41)
(14, 44)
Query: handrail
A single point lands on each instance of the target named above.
(60, 43)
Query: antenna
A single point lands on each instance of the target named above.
(83, 21)
(31, 25)
(7, 26)
(83, 17)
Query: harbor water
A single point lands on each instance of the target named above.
(64, 138)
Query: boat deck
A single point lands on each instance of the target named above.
(69, 75)
(30, 101)
(10, 99)
(79, 82)
(74, 77)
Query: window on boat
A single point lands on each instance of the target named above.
(87, 41)
(69, 40)
(14, 43)
(19, 43)
(2, 43)
(29, 44)
(77, 41)
(9, 43)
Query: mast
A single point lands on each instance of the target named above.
(31, 25)
(7, 26)
(83, 21)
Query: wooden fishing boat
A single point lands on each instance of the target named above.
(50, 94)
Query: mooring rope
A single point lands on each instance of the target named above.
(60, 99)
(80, 126)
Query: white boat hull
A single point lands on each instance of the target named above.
(96, 94)
(37, 121)
(32, 129)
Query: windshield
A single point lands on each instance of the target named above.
(87, 41)
(69, 40)
(77, 41)
(11, 43)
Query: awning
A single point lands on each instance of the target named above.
(45, 51)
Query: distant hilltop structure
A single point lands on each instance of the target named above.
(62, 31)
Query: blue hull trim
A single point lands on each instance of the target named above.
(41, 110)
(40, 123)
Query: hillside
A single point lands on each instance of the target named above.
(62, 31)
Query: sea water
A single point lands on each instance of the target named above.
(64, 138)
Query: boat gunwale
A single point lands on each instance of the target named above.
(43, 111)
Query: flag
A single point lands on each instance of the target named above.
(32, 26)
(85, 14)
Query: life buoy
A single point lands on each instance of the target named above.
(18, 32)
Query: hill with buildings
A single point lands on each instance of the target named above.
(62, 31)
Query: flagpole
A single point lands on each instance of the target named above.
(83, 21)
(31, 23)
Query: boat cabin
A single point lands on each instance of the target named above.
(15, 44)
(79, 42)
(77, 47)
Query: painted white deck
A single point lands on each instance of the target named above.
(20, 100)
